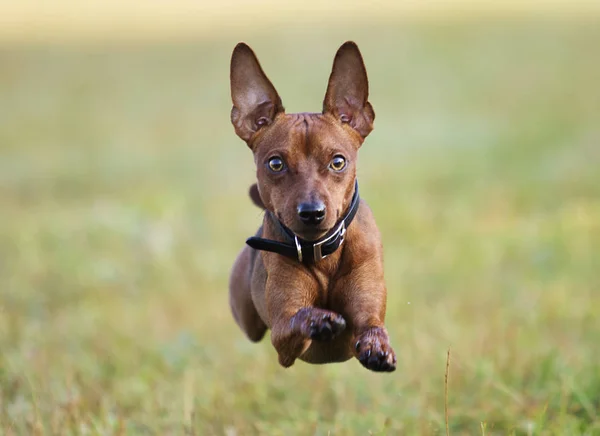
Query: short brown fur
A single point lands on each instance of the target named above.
(340, 301)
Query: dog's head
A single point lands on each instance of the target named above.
(306, 163)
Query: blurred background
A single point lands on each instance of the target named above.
(123, 203)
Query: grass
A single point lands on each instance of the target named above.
(123, 199)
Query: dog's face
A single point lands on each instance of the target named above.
(306, 166)
(306, 163)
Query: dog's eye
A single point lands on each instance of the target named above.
(338, 163)
(276, 165)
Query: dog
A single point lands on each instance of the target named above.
(313, 273)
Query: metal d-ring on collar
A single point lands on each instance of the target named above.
(309, 251)
(298, 248)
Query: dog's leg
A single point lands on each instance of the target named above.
(240, 298)
(295, 322)
(364, 303)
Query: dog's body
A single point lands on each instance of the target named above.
(324, 308)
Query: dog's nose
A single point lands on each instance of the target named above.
(311, 213)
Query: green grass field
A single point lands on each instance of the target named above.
(123, 199)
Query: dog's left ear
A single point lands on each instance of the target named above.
(255, 100)
(348, 90)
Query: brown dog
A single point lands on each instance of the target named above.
(313, 273)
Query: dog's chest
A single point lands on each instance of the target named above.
(327, 278)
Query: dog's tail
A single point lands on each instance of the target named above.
(255, 196)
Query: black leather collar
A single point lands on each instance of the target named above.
(309, 251)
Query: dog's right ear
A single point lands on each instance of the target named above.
(348, 90)
(255, 100)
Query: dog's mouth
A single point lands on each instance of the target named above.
(308, 233)
(312, 234)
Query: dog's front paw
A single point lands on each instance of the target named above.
(373, 350)
(318, 324)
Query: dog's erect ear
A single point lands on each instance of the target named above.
(255, 100)
(348, 90)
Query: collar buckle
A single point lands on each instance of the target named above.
(317, 247)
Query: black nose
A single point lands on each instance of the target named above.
(311, 213)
